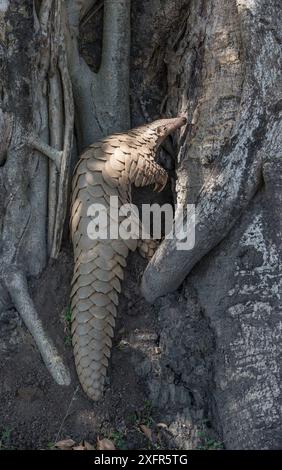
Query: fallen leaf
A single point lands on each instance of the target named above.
(147, 431)
(65, 444)
(80, 447)
(105, 444)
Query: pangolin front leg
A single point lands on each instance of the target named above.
(107, 168)
(147, 247)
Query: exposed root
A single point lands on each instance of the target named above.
(16, 285)
(55, 155)
(61, 123)
(219, 205)
(65, 163)
(237, 175)
(56, 141)
(23, 236)
(56, 118)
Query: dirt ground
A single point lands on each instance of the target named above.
(147, 383)
(36, 413)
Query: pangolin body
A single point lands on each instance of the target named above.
(106, 168)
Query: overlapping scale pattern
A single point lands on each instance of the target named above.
(107, 168)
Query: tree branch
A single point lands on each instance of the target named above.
(102, 99)
(113, 76)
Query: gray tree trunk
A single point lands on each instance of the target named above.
(219, 62)
(230, 166)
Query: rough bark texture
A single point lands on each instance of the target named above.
(101, 98)
(233, 100)
(24, 176)
(207, 356)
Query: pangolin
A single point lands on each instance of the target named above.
(107, 168)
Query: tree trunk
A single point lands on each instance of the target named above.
(219, 63)
(230, 166)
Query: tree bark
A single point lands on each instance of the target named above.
(218, 62)
(24, 173)
(232, 150)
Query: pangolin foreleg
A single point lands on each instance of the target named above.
(147, 247)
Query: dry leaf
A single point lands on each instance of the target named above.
(105, 444)
(147, 431)
(65, 444)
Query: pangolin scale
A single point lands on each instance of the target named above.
(107, 168)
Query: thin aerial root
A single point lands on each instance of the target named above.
(37, 144)
(17, 287)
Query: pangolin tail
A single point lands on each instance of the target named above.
(96, 285)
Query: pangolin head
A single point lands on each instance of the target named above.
(158, 130)
(165, 127)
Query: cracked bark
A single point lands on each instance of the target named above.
(218, 62)
(235, 135)
(23, 234)
(232, 183)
